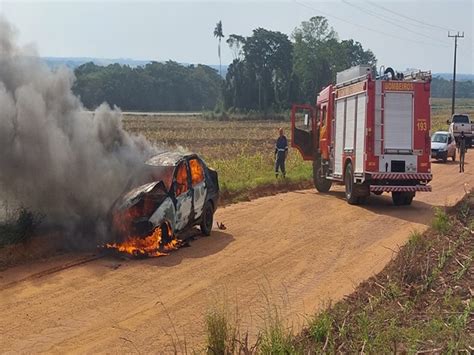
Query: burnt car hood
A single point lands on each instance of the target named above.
(131, 197)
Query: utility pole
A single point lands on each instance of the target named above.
(455, 36)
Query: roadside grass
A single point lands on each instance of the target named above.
(241, 176)
(276, 335)
(221, 331)
(441, 221)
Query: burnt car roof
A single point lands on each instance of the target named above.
(167, 158)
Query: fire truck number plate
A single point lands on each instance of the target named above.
(422, 125)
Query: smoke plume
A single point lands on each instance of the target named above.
(56, 158)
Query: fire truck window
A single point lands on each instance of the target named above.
(181, 179)
(197, 172)
(323, 116)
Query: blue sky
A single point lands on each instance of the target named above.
(182, 30)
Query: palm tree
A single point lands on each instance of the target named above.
(218, 34)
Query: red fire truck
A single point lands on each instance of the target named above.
(369, 132)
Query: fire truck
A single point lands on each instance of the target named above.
(370, 132)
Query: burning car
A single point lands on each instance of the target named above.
(171, 193)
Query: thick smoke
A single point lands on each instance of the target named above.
(55, 158)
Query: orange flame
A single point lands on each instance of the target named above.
(150, 246)
(197, 173)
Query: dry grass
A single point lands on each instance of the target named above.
(212, 139)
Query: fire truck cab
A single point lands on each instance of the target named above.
(370, 133)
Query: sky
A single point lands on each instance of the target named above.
(183, 30)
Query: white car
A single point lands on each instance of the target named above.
(443, 146)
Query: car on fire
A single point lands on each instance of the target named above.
(171, 193)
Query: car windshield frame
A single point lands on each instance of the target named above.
(436, 138)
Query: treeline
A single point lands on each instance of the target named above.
(444, 88)
(156, 86)
(270, 71)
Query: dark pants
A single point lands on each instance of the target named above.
(461, 162)
(280, 164)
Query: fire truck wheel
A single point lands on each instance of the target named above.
(398, 198)
(408, 199)
(351, 197)
(207, 219)
(320, 182)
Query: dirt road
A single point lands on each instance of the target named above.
(297, 250)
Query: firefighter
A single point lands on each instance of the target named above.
(462, 151)
(281, 153)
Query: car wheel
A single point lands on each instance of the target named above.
(207, 219)
(351, 197)
(445, 157)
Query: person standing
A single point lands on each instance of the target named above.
(281, 153)
(462, 151)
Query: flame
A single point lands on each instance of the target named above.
(197, 172)
(181, 180)
(149, 246)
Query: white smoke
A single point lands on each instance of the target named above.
(55, 158)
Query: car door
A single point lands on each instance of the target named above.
(183, 194)
(199, 187)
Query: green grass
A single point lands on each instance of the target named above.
(276, 337)
(441, 222)
(220, 332)
(253, 171)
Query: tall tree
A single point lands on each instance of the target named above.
(219, 34)
(236, 44)
(260, 74)
(319, 55)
